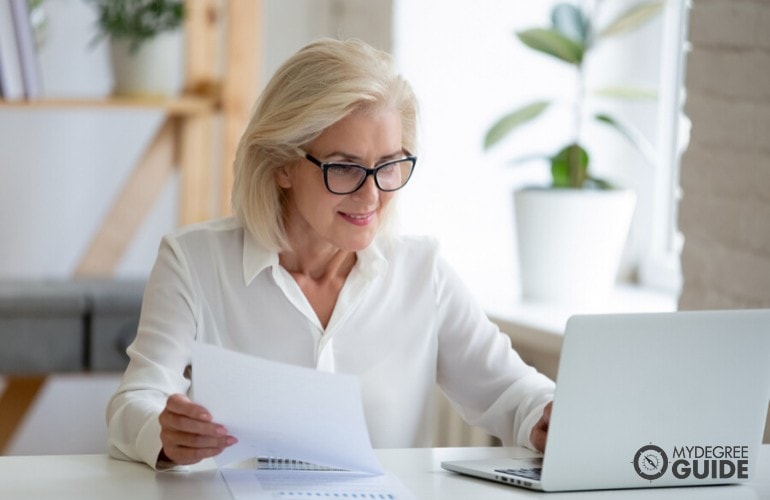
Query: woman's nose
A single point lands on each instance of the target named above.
(368, 191)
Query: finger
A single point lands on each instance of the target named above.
(182, 405)
(539, 440)
(184, 415)
(545, 418)
(191, 432)
(185, 449)
(539, 433)
(189, 440)
(181, 455)
(188, 434)
(182, 423)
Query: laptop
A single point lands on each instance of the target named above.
(649, 400)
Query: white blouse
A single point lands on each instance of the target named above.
(402, 323)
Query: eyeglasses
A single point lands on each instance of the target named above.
(346, 178)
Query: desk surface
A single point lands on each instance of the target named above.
(85, 477)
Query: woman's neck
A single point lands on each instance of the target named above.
(318, 263)
(320, 275)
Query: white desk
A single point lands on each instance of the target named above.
(84, 477)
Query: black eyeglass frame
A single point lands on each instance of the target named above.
(325, 166)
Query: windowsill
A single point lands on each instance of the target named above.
(552, 318)
(536, 329)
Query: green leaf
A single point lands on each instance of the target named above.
(512, 120)
(569, 168)
(626, 92)
(632, 18)
(634, 136)
(137, 20)
(553, 43)
(570, 21)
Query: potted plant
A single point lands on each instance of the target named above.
(146, 44)
(571, 233)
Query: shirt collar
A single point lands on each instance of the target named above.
(371, 260)
(256, 258)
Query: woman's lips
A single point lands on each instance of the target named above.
(358, 219)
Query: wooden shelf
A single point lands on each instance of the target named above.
(197, 138)
(179, 106)
(199, 132)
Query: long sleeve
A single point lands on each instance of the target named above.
(480, 373)
(403, 321)
(158, 359)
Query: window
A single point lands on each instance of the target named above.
(468, 68)
(660, 265)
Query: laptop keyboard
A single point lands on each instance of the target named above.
(527, 472)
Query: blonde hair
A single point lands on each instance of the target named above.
(317, 87)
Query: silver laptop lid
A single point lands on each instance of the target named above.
(659, 399)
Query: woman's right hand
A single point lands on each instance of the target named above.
(188, 433)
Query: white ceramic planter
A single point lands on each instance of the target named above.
(156, 69)
(570, 242)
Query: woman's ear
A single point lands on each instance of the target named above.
(282, 177)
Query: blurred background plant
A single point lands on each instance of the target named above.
(137, 20)
(571, 37)
(39, 20)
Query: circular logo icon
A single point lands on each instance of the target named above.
(650, 462)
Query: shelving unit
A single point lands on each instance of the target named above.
(198, 135)
(179, 106)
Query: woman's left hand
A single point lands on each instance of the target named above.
(539, 433)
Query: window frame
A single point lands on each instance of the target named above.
(660, 266)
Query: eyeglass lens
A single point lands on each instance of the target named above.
(342, 178)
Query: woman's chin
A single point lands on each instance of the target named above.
(358, 242)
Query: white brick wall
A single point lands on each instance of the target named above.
(725, 210)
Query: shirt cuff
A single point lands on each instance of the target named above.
(148, 445)
(525, 431)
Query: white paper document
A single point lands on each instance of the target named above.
(259, 484)
(281, 410)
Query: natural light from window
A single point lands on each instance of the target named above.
(468, 68)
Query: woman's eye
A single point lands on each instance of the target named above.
(389, 170)
(343, 170)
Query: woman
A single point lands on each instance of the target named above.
(307, 272)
